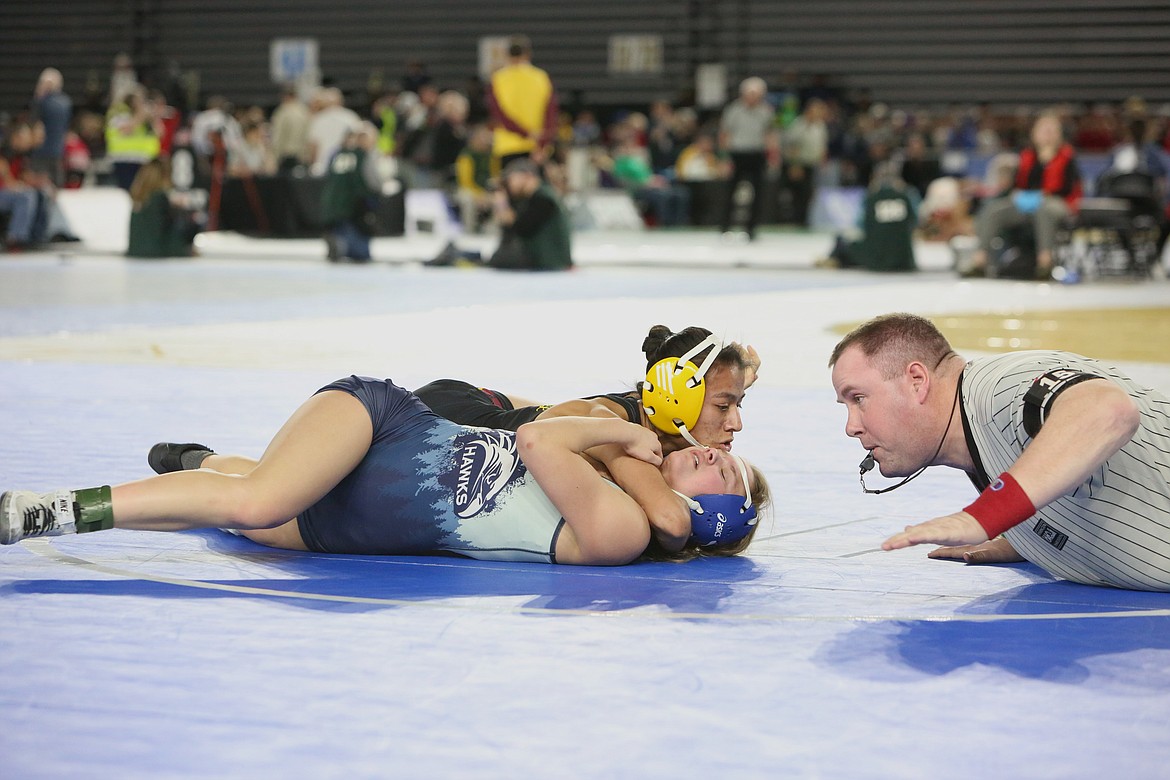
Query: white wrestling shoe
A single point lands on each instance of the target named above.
(25, 514)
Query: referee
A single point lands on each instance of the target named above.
(1071, 457)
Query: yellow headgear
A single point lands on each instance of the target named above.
(673, 392)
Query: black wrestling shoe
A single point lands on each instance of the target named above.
(166, 456)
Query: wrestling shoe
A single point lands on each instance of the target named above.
(25, 514)
(166, 456)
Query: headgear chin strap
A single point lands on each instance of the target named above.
(722, 518)
(673, 392)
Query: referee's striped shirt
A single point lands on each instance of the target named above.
(1114, 529)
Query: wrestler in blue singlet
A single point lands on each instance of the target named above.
(428, 485)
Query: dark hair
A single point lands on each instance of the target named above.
(520, 165)
(519, 46)
(1137, 131)
(661, 342)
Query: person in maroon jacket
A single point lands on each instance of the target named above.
(1047, 190)
(523, 106)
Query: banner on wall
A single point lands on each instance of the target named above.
(493, 54)
(294, 61)
(711, 85)
(635, 55)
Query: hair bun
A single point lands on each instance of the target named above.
(654, 340)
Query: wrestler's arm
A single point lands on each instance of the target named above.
(669, 517)
(604, 526)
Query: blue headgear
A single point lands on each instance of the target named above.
(722, 518)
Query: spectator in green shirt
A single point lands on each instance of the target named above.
(668, 203)
(162, 222)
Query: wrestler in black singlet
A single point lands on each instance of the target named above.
(467, 404)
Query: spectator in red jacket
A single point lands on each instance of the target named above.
(1047, 190)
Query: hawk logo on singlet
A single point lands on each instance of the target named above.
(485, 463)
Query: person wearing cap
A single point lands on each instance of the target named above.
(536, 235)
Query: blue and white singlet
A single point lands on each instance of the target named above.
(427, 485)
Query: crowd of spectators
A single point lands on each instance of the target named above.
(437, 136)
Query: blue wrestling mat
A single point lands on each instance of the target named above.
(203, 655)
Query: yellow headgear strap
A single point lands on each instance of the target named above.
(672, 394)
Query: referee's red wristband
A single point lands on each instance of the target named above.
(1002, 506)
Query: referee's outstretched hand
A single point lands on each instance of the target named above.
(998, 550)
(957, 529)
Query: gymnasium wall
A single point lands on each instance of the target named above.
(907, 52)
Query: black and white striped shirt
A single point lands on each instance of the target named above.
(1114, 529)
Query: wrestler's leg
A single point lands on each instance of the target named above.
(286, 536)
(229, 464)
(321, 443)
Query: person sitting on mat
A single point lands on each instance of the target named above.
(163, 222)
(363, 467)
